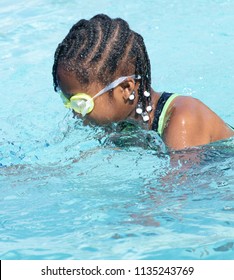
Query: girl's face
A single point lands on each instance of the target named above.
(112, 106)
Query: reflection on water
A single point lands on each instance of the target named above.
(105, 190)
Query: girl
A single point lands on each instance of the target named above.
(102, 71)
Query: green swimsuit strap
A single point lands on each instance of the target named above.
(160, 115)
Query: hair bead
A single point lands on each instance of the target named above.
(145, 117)
(149, 108)
(146, 93)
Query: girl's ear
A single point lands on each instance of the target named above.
(128, 87)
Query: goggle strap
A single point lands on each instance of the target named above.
(115, 84)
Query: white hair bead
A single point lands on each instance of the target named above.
(146, 94)
(139, 110)
(149, 108)
(145, 117)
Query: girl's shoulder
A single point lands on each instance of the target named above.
(188, 123)
(187, 110)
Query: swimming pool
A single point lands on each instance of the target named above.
(70, 191)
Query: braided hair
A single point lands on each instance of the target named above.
(100, 48)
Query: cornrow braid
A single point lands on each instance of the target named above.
(99, 48)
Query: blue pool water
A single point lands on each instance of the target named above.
(70, 191)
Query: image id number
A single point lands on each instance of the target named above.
(159, 270)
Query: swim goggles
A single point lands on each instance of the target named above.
(83, 104)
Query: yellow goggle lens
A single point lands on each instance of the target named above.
(82, 103)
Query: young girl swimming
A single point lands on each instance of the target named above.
(103, 73)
